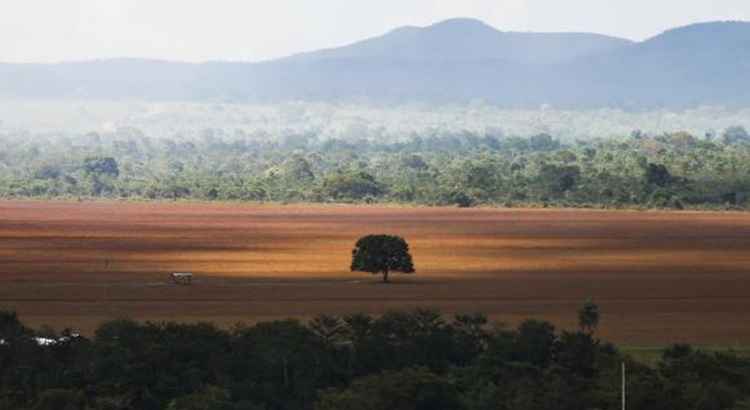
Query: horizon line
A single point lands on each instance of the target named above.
(167, 60)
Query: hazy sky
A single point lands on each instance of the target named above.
(199, 30)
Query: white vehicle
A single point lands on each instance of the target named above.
(182, 278)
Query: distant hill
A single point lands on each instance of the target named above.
(452, 61)
(689, 66)
(470, 41)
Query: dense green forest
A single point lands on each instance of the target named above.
(415, 360)
(673, 170)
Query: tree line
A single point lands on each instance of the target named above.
(401, 360)
(675, 170)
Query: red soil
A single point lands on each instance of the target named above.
(659, 277)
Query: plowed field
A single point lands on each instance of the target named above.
(659, 277)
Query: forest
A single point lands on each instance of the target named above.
(398, 361)
(441, 168)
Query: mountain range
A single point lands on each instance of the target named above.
(456, 60)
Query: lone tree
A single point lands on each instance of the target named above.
(382, 254)
(588, 317)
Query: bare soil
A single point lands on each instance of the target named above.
(660, 277)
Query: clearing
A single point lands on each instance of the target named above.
(660, 277)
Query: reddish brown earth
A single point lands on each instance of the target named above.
(659, 277)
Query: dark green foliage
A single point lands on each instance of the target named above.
(48, 172)
(408, 389)
(101, 166)
(459, 199)
(534, 343)
(400, 360)
(59, 399)
(673, 170)
(298, 170)
(470, 336)
(11, 327)
(210, 398)
(588, 317)
(382, 254)
(351, 185)
(658, 175)
(558, 179)
(577, 354)
(278, 363)
(415, 162)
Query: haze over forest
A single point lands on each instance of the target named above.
(454, 61)
(543, 204)
(455, 113)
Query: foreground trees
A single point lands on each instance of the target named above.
(414, 360)
(382, 254)
(408, 389)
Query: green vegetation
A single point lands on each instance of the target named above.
(651, 355)
(382, 254)
(588, 317)
(400, 360)
(675, 170)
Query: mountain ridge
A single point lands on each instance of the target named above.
(458, 33)
(453, 60)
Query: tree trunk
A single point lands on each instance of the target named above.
(385, 276)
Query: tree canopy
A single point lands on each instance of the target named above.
(382, 254)
(588, 317)
(440, 168)
(400, 360)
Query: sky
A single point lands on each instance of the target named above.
(254, 30)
